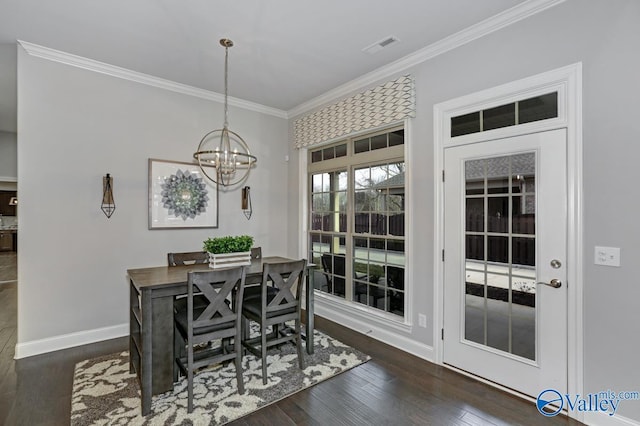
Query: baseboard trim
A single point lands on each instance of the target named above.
(602, 419)
(591, 419)
(368, 328)
(56, 343)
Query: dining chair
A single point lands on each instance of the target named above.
(183, 259)
(252, 283)
(219, 319)
(187, 258)
(256, 253)
(281, 289)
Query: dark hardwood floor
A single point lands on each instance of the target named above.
(393, 388)
(8, 266)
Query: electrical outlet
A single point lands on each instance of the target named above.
(607, 256)
(422, 320)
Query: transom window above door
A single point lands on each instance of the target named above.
(528, 110)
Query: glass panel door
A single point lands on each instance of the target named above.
(505, 236)
(500, 297)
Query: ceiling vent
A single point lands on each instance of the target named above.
(379, 45)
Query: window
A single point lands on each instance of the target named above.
(357, 219)
(329, 153)
(524, 111)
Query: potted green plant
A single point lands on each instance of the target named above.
(229, 251)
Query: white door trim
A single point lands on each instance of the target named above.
(568, 82)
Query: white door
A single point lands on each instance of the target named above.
(505, 304)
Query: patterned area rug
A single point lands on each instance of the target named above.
(104, 393)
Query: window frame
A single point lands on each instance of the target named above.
(350, 162)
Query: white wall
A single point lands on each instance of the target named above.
(75, 126)
(604, 36)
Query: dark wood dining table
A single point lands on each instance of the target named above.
(151, 342)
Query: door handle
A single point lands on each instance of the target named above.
(555, 283)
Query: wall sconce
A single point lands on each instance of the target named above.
(108, 204)
(247, 208)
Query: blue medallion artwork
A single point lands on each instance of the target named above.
(185, 195)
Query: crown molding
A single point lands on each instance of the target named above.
(474, 32)
(138, 77)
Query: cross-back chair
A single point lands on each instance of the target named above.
(281, 289)
(256, 253)
(187, 258)
(183, 259)
(218, 319)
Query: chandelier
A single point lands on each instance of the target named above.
(224, 149)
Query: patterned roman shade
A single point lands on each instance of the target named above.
(389, 103)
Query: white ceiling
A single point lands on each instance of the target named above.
(286, 52)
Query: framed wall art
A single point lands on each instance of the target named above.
(180, 196)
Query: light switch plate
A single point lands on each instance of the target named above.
(607, 256)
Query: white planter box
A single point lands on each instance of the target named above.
(229, 260)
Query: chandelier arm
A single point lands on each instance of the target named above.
(204, 171)
(250, 159)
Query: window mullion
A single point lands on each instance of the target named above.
(349, 235)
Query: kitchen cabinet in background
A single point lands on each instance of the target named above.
(5, 208)
(6, 240)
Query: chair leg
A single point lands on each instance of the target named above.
(263, 350)
(178, 349)
(190, 379)
(246, 323)
(237, 346)
(225, 344)
(299, 344)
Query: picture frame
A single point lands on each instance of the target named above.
(180, 196)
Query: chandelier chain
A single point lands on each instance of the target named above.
(226, 86)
